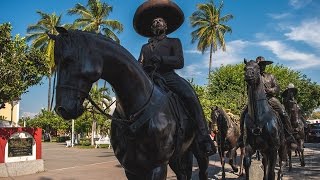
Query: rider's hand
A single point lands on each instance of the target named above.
(268, 91)
(156, 59)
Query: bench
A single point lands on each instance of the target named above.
(104, 140)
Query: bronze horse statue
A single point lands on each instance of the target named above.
(228, 132)
(150, 128)
(298, 126)
(263, 130)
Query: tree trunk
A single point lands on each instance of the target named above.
(93, 130)
(210, 62)
(53, 90)
(49, 93)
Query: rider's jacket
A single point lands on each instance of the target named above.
(169, 50)
(271, 85)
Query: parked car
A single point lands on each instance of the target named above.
(313, 134)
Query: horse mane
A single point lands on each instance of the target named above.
(84, 38)
(225, 115)
(77, 32)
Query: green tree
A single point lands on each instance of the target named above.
(50, 122)
(228, 89)
(20, 65)
(101, 97)
(37, 33)
(93, 17)
(204, 99)
(315, 115)
(210, 28)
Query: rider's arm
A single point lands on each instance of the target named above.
(175, 61)
(274, 89)
(141, 57)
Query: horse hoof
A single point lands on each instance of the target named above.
(303, 164)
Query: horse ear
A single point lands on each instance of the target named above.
(245, 61)
(61, 30)
(51, 36)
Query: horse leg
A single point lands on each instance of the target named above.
(247, 160)
(265, 166)
(182, 166)
(232, 159)
(222, 160)
(280, 168)
(203, 161)
(272, 159)
(302, 163)
(158, 173)
(282, 155)
(290, 161)
(241, 161)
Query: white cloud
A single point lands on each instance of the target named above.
(234, 54)
(193, 51)
(298, 60)
(307, 31)
(297, 4)
(279, 16)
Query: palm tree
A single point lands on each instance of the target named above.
(101, 96)
(37, 33)
(93, 18)
(210, 28)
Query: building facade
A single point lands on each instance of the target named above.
(9, 114)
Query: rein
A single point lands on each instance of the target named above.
(88, 97)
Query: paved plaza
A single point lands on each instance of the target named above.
(62, 163)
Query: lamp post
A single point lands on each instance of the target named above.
(72, 133)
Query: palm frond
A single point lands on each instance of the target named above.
(41, 40)
(113, 24)
(79, 9)
(36, 28)
(33, 36)
(111, 35)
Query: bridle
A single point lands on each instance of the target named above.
(87, 96)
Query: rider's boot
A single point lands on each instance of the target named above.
(288, 130)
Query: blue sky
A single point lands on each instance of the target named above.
(286, 32)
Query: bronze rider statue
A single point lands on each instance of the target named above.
(155, 19)
(272, 89)
(289, 94)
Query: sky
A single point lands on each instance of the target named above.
(286, 32)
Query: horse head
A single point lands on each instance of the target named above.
(77, 69)
(252, 72)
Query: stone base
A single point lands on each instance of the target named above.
(21, 168)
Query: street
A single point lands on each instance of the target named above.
(62, 163)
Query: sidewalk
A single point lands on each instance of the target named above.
(63, 163)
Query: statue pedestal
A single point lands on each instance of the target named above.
(21, 168)
(20, 151)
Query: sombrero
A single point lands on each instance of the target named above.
(261, 61)
(290, 88)
(152, 9)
